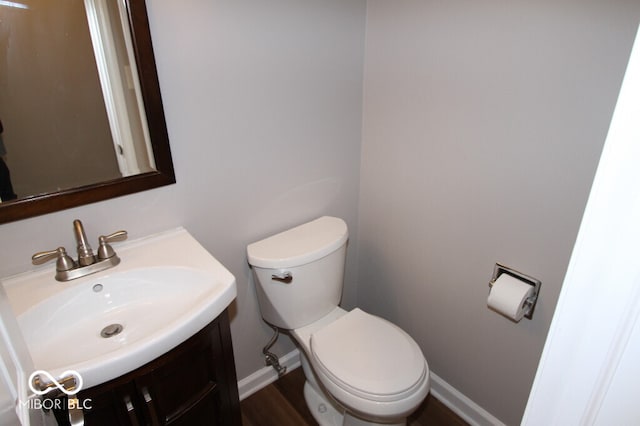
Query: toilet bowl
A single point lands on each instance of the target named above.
(360, 369)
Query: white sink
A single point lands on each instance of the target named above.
(166, 288)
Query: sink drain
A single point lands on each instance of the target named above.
(111, 330)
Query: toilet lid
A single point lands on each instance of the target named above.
(369, 356)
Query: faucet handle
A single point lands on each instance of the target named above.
(64, 262)
(105, 251)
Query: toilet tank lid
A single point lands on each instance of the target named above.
(300, 245)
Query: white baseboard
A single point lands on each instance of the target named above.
(267, 375)
(471, 412)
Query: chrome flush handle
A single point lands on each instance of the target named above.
(282, 276)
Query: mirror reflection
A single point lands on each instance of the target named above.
(71, 104)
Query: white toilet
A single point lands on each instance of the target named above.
(360, 369)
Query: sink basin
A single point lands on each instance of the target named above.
(166, 289)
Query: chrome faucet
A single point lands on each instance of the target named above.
(85, 253)
(68, 269)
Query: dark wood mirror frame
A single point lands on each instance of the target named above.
(164, 174)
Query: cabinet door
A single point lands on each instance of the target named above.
(112, 405)
(184, 389)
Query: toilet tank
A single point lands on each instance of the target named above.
(313, 256)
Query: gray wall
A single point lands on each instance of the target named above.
(483, 125)
(263, 106)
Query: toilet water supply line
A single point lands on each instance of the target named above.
(269, 357)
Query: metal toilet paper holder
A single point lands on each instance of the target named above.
(530, 303)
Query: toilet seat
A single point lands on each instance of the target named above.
(369, 357)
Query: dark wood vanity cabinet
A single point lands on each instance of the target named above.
(193, 384)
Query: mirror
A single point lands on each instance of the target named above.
(107, 136)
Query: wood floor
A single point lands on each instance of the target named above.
(282, 404)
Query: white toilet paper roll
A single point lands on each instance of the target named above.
(508, 295)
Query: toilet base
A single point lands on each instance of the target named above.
(322, 410)
(325, 411)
